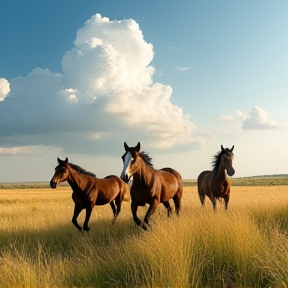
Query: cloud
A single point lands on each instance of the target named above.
(258, 119)
(104, 93)
(17, 150)
(4, 88)
(237, 117)
(182, 68)
(176, 48)
(208, 135)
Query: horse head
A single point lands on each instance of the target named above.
(227, 159)
(129, 161)
(61, 173)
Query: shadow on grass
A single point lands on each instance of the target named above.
(82, 252)
(61, 238)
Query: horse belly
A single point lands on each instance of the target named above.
(101, 201)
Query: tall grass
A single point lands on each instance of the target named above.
(246, 245)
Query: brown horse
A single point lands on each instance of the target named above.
(214, 183)
(150, 186)
(88, 191)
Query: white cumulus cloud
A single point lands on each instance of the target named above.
(4, 88)
(105, 92)
(258, 119)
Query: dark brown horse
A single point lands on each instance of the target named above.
(150, 186)
(214, 183)
(88, 191)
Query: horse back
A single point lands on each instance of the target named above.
(124, 188)
(175, 173)
(178, 177)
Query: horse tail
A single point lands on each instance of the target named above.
(199, 180)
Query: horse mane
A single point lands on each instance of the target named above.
(217, 159)
(81, 170)
(146, 158)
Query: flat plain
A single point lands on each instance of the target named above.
(246, 246)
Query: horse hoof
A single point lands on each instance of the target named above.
(145, 226)
(86, 229)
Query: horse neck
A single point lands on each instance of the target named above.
(144, 174)
(75, 179)
(219, 172)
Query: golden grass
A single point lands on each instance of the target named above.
(248, 244)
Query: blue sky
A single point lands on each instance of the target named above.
(78, 78)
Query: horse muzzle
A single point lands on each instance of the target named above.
(53, 184)
(231, 172)
(125, 178)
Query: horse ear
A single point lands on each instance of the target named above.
(65, 162)
(232, 148)
(59, 160)
(126, 146)
(137, 148)
(222, 149)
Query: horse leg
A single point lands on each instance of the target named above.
(150, 211)
(177, 202)
(226, 200)
(87, 218)
(213, 200)
(168, 207)
(118, 209)
(77, 210)
(134, 207)
(114, 211)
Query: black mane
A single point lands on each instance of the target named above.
(147, 159)
(81, 170)
(217, 158)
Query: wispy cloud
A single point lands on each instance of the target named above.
(26, 150)
(183, 68)
(15, 151)
(238, 116)
(207, 135)
(176, 48)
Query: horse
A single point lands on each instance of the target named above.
(150, 186)
(88, 191)
(214, 183)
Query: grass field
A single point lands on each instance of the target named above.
(246, 245)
